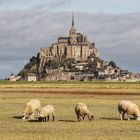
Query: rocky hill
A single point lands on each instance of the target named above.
(72, 69)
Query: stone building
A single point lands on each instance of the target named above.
(76, 45)
(31, 77)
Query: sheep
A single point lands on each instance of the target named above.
(31, 107)
(45, 113)
(125, 106)
(81, 110)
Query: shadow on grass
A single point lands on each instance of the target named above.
(67, 121)
(125, 119)
(104, 118)
(17, 117)
(33, 121)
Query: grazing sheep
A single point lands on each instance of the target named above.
(32, 107)
(45, 113)
(81, 110)
(130, 108)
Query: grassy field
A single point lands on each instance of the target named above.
(101, 98)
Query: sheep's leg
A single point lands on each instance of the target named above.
(78, 118)
(122, 115)
(89, 117)
(40, 119)
(129, 116)
(38, 112)
(45, 119)
(53, 117)
(137, 118)
(84, 117)
(32, 116)
(35, 112)
(48, 118)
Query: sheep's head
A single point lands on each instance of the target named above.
(92, 117)
(138, 117)
(26, 113)
(24, 116)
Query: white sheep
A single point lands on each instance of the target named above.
(81, 110)
(130, 108)
(46, 112)
(31, 108)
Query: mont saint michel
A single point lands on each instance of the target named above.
(76, 46)
(73, 57)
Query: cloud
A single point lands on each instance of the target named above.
(58, 2)
(107, 6)
(32, 4)
(23, 33)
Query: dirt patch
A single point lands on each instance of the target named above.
(79, 92)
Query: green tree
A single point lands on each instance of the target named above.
(113, 64)
(53, 64)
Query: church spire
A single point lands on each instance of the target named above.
(72, 19)
(72, 32)
(73, 23)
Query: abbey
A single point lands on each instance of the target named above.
(71, 58)
(76, 45)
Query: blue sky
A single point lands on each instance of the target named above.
(28, 25)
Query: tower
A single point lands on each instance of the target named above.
(72, 32)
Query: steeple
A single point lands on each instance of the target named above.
(72, 19)
(72, 32)
(73, 23)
